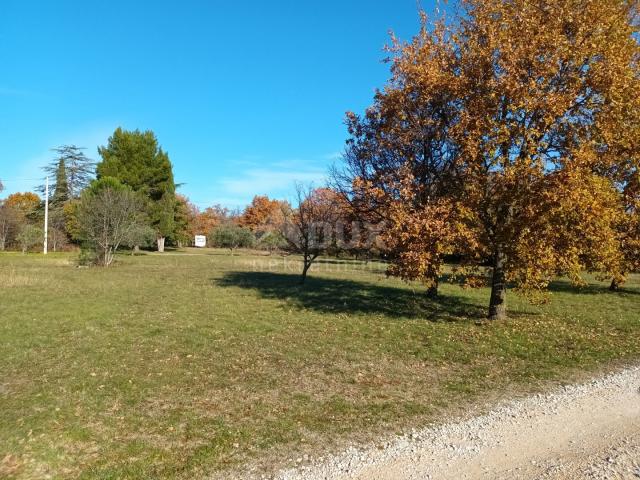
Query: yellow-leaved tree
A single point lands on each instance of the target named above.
(533, 115)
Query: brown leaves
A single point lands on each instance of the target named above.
(512, 129)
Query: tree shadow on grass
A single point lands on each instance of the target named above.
(332, 295)
(565, 286)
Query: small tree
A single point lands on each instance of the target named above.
(29, 236)
(109, 215)
(141, 235)
(308, 229)
(231, 236)
(9, 224)
(272, 241)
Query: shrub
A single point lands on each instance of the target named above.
(231, 236)
(29, 236)
(271, 241)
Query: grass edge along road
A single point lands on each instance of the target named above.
(186, 366)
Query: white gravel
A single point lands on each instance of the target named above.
(587, 431)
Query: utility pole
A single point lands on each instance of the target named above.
(46, 215)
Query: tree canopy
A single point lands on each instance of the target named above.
(136, 159)
(504, 136)
(78, 169)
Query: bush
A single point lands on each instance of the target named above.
(271, 241)
(29, 236)
(231, 236)
(110, 215)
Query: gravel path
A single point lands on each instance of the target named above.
(588, 431)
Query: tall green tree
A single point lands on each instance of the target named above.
(136, 159)
(61, 192)
(78, 168)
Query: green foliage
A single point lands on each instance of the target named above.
(140, 235)
(79, 170)
(110, 215)
(61, 192)
(29, 237)
(87, 255)
(136, 160)
(10, 221)
(231, 236)
(181, 234)
(105, 183)
(273, 240)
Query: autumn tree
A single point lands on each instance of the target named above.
(308, 228)
(136, 160)
(26, 203)
(628, 228)
(398, 174)
(540, 127)
(262, 215)
(548, 129)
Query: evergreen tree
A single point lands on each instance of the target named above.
(79, 170)
(61, 192)
(136, 160)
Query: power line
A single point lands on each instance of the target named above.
(17, 180)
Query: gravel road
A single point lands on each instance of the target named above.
(587, 431)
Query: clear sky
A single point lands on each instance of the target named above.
(246, 96)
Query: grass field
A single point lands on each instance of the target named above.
(185, 366)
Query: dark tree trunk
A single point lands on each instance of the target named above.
(305, 269)
(615, 285)
(498, 301)
(432, 290)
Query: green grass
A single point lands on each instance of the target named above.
(185, 366)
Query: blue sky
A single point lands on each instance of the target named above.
(245, 96)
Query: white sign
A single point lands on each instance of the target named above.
(201, 241)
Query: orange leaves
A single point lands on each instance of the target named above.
(515, 130)
(263, 214)
(26, 203)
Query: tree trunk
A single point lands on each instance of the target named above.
(432, 290)
(498, 302)
(305, 269)
(106, 256)
(615, 285)
(161, 244)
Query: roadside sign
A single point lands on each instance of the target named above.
(200, 241)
